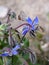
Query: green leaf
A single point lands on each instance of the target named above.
(16, 60)
(3, 44)
(26, 56)
(26, 42)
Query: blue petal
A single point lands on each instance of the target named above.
(25, 31)
(35, 21)
(33, 28)
(16, 47)
(5, 54)
(14, 53)
(29, 20)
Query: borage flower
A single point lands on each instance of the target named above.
(32, 23)
(14, 51)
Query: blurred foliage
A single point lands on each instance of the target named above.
(39, 36)
(26, 42)
(16, 60)
(48, 14)
(1, 61)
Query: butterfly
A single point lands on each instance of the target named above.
(34, 25)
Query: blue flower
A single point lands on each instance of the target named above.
(32, 23)
(16, 47)
(14, 50)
